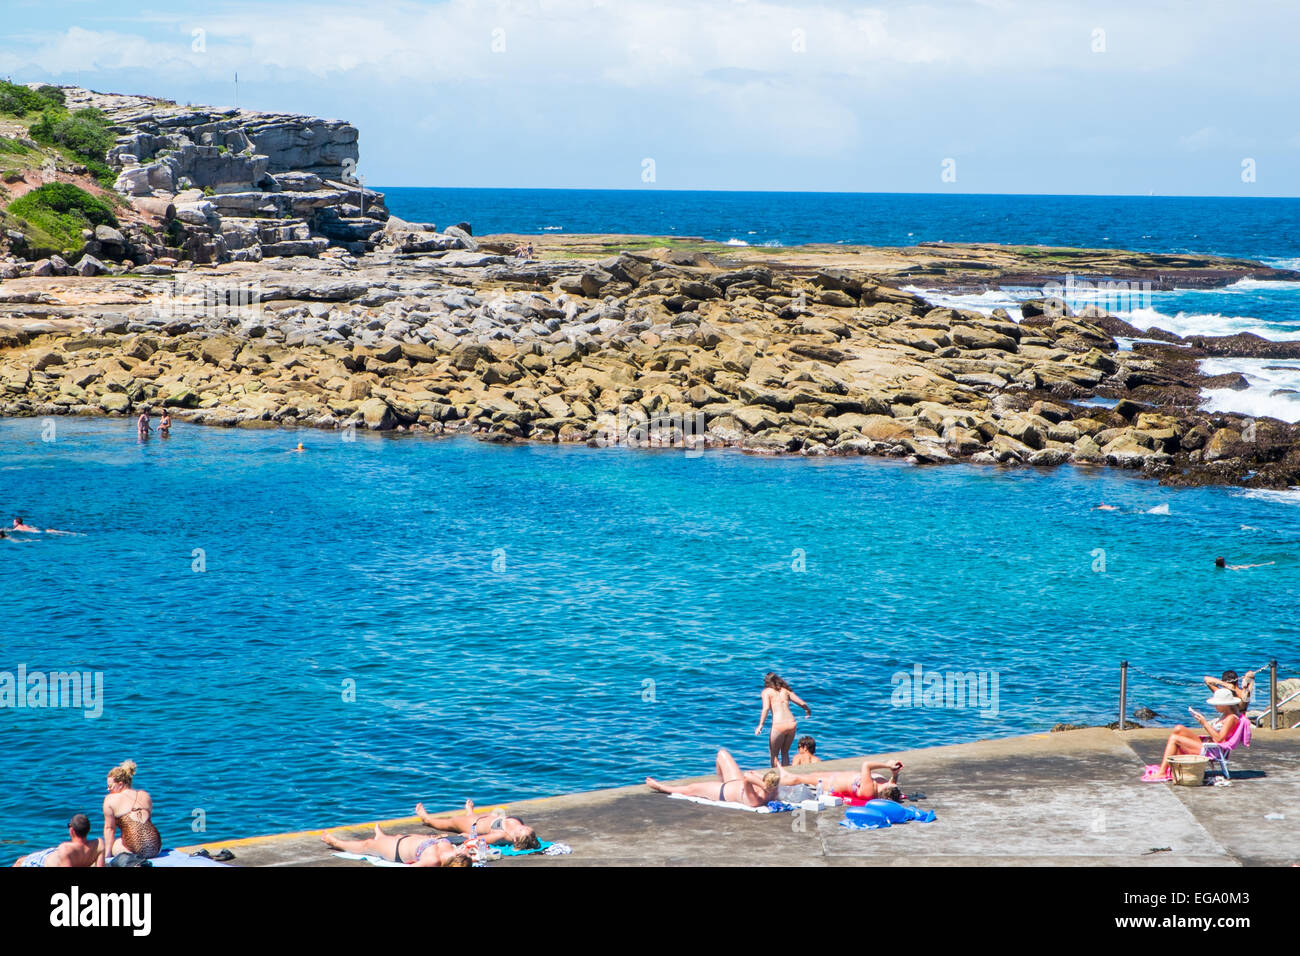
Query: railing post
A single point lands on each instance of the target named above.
(1272, 695)
(1123, 692)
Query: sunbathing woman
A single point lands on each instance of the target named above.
(849, 784)
(132, 810)
(492, 827)
(404, 848)
(776, 698)
(1186, 741)
(750, 788)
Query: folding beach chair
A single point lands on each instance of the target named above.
(1240, 737)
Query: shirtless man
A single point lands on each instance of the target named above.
(807, 752)
(736, 786)
(861, 784)
(1104, 507)
(19, 525)
(75, 851)
(142, 423)
(491, 827)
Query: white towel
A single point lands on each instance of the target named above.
(372, 860)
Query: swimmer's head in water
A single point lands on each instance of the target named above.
(527, 840)
(890, 791)
(775, 681)
(807, 744)
(1220, 563)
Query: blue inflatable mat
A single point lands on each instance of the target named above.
(878, 814)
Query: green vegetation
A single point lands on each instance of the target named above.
(83, 134)
(55, 214)
(17, 100)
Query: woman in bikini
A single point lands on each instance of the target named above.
(492, 827)
(776, 698)
(132, 811)
(1187, 741)
(849, 784)
(404, 848)
(750, 788)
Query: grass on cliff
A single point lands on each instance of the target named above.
(52, 216)
(83, 134)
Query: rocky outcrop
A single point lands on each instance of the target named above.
(202, 167)
(635, 348)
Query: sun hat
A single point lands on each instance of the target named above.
(1223, 698)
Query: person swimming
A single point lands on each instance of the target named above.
(299, 448)
(1223, 565)
(776, 698)
(20, 525)
(807, 752)
(1104, 507)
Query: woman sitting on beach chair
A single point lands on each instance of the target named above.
(736, 786)
(404, 848)
(491, 827)
(849, 784)
(1186, 741)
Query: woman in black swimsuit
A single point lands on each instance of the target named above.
(737, 786)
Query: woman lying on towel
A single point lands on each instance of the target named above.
(736, 786)
(1187, 741)
(491, 827)
(849, 784)
(404, 848)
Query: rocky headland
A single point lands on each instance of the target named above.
(284, 293)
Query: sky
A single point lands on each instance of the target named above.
(1171, 97)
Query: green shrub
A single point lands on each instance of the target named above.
(18, 100)
(84, 133)
(52, 94)
(13, 146)
(56, 214)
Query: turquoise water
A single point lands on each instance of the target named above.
(373, 561)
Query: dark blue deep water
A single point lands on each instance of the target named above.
(1224, 226)
(522, 621)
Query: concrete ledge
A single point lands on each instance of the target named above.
(1066, 799)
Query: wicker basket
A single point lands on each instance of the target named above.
(1189, 771)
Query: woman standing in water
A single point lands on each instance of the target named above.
(776, 698)
(132, 811)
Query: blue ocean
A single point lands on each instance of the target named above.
(290, 641)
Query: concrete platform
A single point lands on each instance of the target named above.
(1065, 799)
